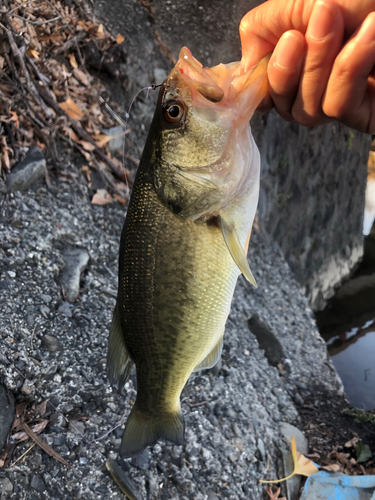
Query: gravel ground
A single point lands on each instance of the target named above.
(232, 415)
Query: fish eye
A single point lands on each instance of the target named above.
(174, 112)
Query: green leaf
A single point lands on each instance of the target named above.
(363, 452)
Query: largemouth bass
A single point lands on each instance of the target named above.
(184, 240)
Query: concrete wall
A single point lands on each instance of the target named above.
(313, 179)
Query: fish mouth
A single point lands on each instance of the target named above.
(225, 85)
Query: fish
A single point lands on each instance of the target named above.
(184, 240)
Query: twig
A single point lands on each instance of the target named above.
(194, 405)
(72, 41)
(109, 292)
(82, 134)
(29, 83)
(38, 23)
(19, 6)
(36, 72)
(20, 458)
(71, 31)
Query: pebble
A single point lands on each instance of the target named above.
(6, 486)
(29, 171)
(66, 309)
(11, 274)
(77, 427)
(211, 495)
(37, 483)
(288, 430)
(46, 298)
(76, 260)
(261, 449)
(142, 461)
(45, 310)
(51, 343)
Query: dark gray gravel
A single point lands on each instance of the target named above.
(232, 417)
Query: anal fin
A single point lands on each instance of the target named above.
(237, 252)
(119, 363)
(213, 357)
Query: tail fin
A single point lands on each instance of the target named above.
(144, 430)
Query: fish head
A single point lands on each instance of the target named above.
(203, 147)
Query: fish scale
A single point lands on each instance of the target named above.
(179, 308)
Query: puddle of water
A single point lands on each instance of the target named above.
(353, 354)
(348, 322)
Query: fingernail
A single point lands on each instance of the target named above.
(321, 20)
(288, 51)
(367, 32)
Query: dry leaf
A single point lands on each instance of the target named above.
(5, 156)
(87, 145)
(100, 31)
(332, 468)
(302, 465)
(120, 199)
(73, 61)
(41, 408)
(37, 429)
(33, 53)
(274, 495)
(101, 197)
(55, 37)
(14, 118)
(46, 447)
(119, 38)
(81, 76)
(102, 139)
(71, 109)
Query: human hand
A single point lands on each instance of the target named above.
(322, 62)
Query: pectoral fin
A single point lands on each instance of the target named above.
(236, 250)
(213, 357)
(119, 363)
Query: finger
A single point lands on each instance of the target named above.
(350, 94)
(324, 36)
(262, 27)
(284, 72)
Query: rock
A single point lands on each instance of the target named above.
(29, 171)
(45, 310)
(142, 461)
(46, 298)
(51, 343)
(77, 428)
(66, 309)
(6, 486)
(288, 430)
(267, 341)
(37, 483)
(116, 143)
(292, 485)
(7, 408)
(59, 440)
(261, 449)
(211, 495)
(76, 260)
